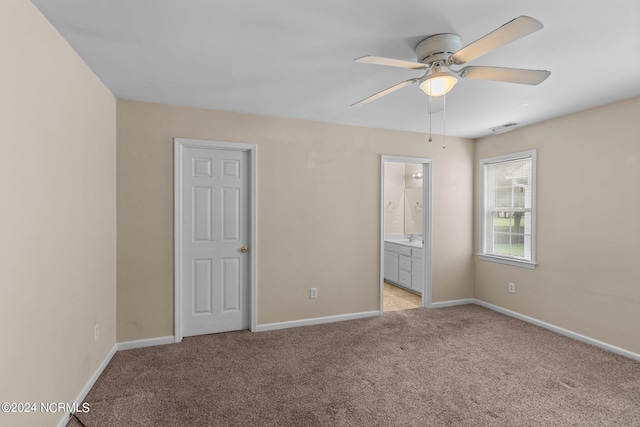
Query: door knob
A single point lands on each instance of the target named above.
(243, 249)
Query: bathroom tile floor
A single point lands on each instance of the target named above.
(396, 298)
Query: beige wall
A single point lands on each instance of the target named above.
(318, 212)
(57, 219)
(588, 277)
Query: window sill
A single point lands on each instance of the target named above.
(508, 261)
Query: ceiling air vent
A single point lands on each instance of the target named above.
(504, 128)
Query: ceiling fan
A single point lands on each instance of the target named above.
(438, 53)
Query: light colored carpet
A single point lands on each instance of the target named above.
(456, 366)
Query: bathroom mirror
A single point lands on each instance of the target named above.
(413, 210)
(403, 184)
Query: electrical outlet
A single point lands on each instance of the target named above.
(395, 224)
(314, 293)
(512, 288)
(96, 332)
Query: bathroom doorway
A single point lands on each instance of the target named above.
(405, 233)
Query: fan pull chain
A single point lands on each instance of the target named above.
(430, 119)
(444, 121)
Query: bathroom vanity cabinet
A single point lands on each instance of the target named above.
(403, 266)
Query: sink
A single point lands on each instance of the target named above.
(415, 243)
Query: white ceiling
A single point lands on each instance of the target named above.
(294, 58)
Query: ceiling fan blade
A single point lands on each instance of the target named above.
(499, 74)
(391, 62)
(511, 31)
(387, 91)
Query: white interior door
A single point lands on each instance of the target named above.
(214, 240)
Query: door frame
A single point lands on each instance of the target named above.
(179, 145)
(427, 231)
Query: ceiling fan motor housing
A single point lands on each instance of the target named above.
(438, 48)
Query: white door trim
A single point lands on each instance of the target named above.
(427, 191)
(252, 149)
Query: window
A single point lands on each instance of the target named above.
(507, 211)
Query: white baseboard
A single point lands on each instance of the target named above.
(453, 302)
(128, 345)
(315, 321)
(561, 331)
(65, 419)
(149, 342)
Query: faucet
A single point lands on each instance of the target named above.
(410, 237)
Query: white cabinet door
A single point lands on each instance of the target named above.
(405, 278)
(417, 269)
(391, 266)
(391, 262)
(405, 263)
(417, 276)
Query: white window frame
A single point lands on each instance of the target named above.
(507, 259)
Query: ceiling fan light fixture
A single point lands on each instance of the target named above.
(439, 82)
(437, 53)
